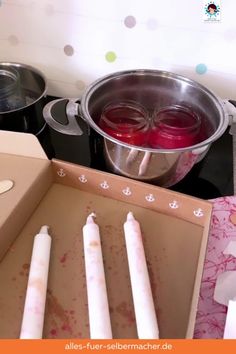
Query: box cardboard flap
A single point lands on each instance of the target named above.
(21, 144)
(24, 164)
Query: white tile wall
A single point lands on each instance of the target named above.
(75, 42)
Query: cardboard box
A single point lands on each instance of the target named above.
(174, 227)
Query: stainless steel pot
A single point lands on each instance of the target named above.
(152, 89)
(22, 98)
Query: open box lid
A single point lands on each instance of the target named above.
(37, 179)
(18, 203)
(21, 144)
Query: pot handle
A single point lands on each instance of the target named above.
(230, 110)
(72, 111)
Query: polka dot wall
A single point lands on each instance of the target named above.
(74, 42)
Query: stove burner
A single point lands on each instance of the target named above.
(197, 187)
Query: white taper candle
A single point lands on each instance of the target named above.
(33, 316)
(145, 315)
(99, 316)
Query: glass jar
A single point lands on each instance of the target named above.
(174, 127)
(126, 121)
(10, 91)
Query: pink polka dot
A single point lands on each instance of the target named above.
(68, 50)
(130, 21)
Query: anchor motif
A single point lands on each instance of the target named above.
(127, 191)
(198, 212)
(104, 185)
(150, 198)
(83, 179)
(174, 204)
(61, 173)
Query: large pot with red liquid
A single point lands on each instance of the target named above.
(156, 125)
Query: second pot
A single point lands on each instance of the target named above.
(22, 98)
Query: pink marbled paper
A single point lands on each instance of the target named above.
(211, 316)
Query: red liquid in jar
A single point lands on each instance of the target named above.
(126, 122)
(174, 127)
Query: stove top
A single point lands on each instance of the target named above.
(210, 178)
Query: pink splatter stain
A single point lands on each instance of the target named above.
(55, 310)
(124, 311)
(153, 282)
(53, 332)
(66, 327)
(25, 270)
(63, 258)
(26, 266)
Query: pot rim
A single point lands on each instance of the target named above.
(84, 111)
(34, 70)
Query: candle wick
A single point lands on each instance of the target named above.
(130, 216)
(90, 218)
(44, 229)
